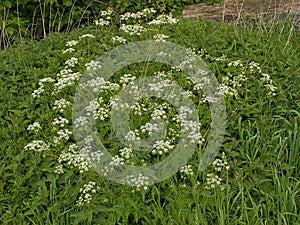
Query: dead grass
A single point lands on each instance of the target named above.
(233, 10)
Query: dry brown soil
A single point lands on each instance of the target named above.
(235, 9)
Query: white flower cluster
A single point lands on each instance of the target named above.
(71, 43)
(80, 122)
(130, 15)
(74, 158)
(108, 12)
(66, 80)
(187, 170)
(138, 108)
(132, 136)
(268, 83)
(86, 193)
(99, 84)
(71, 62)
(138, 15)
(127, 78)
(159, 113)
(68, 50)
(88, 150)
(214, 180)
(36, 93)
(226, 90)
(87, 36)
(116, 161)
(190, 126)
(188, 61)
(254, 66)
(235, 63)
(118, 104)
(221, 164)
(60, 121)
(106, 16)
(94, 109)
(163, 19)
(201, 83)
(61, 105)
(160, 147)
(149, 11)
(119, 39)
(34, 127)
(59, 169)
(37, 146)
(158, 87)
(101, 22)
(92, 65)
(150, 128)
(160, 37)
(139, 181)
(125, 152)
(132, 29)
(62, 134)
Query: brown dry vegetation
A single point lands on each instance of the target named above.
(235, 9)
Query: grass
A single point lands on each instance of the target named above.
(262, 141)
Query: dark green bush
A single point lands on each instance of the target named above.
(35, 19)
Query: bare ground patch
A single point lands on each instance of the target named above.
(233, 10)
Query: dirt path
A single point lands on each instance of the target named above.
(235, 9)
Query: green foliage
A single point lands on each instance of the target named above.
(261, 143)
(36, 19)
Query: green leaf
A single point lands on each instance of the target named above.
(7, 4)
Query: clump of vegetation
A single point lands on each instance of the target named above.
(253, 180)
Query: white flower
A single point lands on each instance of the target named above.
(132, 136)
(71, 62)
(125, 152)
(62, 134)
(87, 35)
(221, 164)
(61, 105)
(108, 12)
(150, 128)
(138, 181)
(160, 37)
(60, 121)
(213, 181)
(93, 65)
(119, 39)
(37, 146)
(130, 15)
(35, 126)
(80, 122)
(101, 22)
(71, 43)
(68, 50)
(235, 63)
(149, 11)
(74, 158)
(66, 81)
(59, 169)
(85, 196)
(164, 19)
(132, 29)
(187, 169)
(36, 93)
(127, 78)
(116, 161)
(161, 147)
